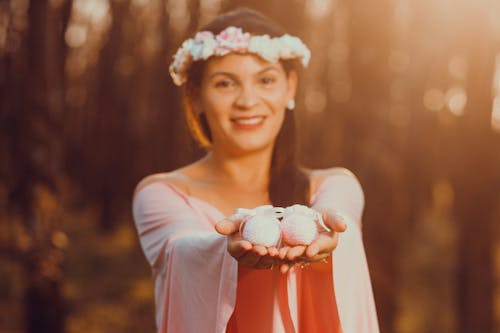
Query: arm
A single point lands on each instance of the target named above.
(161, 218)
(341, 193)
(339, 198)
(192, 272)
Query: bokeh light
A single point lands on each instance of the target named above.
(76, 35)
(456, 100)
(434, 99)
(315, 101)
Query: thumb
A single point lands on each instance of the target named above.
(334, 220)
(228, 226)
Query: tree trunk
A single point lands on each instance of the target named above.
(475, 177)
(34, 84)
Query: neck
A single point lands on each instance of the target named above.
(249, 171)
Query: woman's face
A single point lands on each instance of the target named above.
(244, 99)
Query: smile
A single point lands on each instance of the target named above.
(248, 122)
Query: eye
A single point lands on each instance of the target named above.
(268, 80)
(224, 83)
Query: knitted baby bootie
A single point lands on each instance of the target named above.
(260, 226)
(300, 225)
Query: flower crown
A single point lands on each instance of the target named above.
(232, 39)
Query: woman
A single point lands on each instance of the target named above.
(240, 81)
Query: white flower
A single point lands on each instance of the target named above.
(204, 45)
(209, 48)
(196, 51)
(233, 39)
(292, 47)
(287, 46)
(265, 47)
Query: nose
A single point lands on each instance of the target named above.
(247, 98)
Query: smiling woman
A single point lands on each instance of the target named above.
(243, 98)
(240, 82)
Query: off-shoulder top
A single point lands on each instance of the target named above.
(196, 281)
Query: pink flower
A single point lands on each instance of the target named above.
(201, 36)
(232, 39)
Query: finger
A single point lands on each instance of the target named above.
(283, 251)
(295, 252)
(312, 250)
(272, 251)
(334, 220)
(229, 225)
(322, 244)
(237, 248)
(260, 250)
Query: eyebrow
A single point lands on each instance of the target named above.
(232, 75)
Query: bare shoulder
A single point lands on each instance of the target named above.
(176, 178)
(316, 177)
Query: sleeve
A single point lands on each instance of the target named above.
(195, 278)
(342, 193)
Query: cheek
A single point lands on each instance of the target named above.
(277, 97)
(214, 106)
(217, 114)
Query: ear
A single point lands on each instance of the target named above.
(292, 85)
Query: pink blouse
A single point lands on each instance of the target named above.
(198, 285)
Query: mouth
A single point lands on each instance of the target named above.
(248, 122)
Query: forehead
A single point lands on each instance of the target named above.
(240, 64)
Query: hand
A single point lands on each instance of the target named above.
(321, 248)
(247, 254)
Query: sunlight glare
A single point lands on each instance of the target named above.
(179, 15)
(76, 35)
(96, 11)
(208, 10)
(403, 13)
(141, 3)
(434, 99)
(456, 100)
(315, 101)
(317, 9)
(496, 77)
(495, 115)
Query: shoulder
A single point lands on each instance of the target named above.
(318, 176)
(159, 195)
(179, 179)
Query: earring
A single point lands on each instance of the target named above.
(291, 105)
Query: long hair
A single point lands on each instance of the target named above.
(289, 184)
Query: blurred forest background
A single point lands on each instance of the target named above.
(406, 93)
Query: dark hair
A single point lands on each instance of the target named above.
(289, 184)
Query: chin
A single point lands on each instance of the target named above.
(251, 146)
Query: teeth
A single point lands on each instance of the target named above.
(249, 121)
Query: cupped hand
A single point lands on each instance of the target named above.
(321, 248)
(247, 254)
